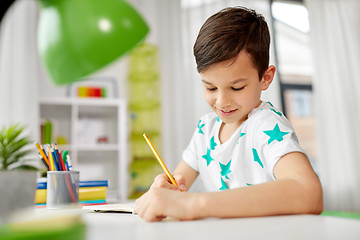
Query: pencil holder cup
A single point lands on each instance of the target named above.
(62, 189)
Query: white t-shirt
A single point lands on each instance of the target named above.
(248, 157)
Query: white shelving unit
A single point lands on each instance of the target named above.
(94, 160)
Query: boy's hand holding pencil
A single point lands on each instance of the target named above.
(163, 180)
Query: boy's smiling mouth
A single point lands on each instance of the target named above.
(227, 112)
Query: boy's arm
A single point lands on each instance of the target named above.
(296, 190)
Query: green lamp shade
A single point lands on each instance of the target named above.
(79, 37)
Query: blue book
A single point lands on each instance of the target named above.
(41, 185)
(94, 183)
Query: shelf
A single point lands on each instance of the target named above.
(81, 101)
(83, 121)
(99, 147)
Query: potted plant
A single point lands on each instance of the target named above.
(17, 177)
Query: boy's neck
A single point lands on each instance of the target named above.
(226, 131)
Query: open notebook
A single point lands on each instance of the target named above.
(112, 208)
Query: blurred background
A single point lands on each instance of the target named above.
(155, 88)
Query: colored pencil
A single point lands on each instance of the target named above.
(57, 151)
(56, 162)
(159, 160)
(51, 160)
(43, 161)
(42, 152)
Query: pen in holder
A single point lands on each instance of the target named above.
(62, 189)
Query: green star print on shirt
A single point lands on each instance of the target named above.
(278, 113)
(241, 134)
(223, 185)
(257, 158)
(225, 169)
(207, 157)
(212, 143)
(200, 127)
(275, 134)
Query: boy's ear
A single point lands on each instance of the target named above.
(268, 77)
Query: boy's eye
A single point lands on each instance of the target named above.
(211, 89)
(238, 89)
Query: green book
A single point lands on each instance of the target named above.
(47, 132)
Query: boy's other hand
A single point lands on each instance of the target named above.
(162, 181)
(159, 203)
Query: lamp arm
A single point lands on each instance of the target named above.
(6, 4)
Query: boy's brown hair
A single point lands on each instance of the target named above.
(229, 31)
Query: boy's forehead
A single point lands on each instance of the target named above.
(242, 56)
(242, 62)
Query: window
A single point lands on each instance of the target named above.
(294, 64)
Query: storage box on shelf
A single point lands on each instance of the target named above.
(95, 132)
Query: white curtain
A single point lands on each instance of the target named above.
(19, 66)
(335, 37)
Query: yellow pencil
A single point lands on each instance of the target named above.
(51, 160)
(41, 151)
(159, 160)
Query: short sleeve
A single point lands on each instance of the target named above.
(274, 137)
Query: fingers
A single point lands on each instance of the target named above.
(180, 180)
(158, 203)
(162, 181)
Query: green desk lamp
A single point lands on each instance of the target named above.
(79, 37)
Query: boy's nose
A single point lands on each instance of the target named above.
(223, 100)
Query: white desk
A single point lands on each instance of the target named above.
(110, 226)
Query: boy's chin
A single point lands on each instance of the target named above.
(231, 121)
(225, 120)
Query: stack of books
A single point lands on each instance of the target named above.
(93, 192)
(90, 192)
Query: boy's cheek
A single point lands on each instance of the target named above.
(208, 98)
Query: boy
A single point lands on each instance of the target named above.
(246, 152)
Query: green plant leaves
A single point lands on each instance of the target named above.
(13, 147)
